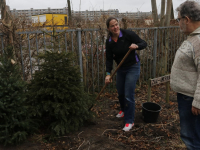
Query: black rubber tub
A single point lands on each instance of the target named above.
(150, 112)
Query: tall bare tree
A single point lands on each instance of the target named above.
(172, 12)
(162, 14)
(69, 11)
(8, 26)
(164, 18)
(168, 12)
(7, 20)
(154, 11)
(167, 23)
(164, 21)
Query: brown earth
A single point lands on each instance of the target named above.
(105, 133)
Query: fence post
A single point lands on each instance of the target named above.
(155, 51)
(80, 52)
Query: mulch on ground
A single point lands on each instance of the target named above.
(105, 132)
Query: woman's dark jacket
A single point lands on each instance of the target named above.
(117, 50)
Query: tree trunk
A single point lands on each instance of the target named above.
(172, 12)
(162, 15)
(167, 23)
(6, 20)
(69, 11)
(168, 13)
(3, 9)
(154, 12)
(161, 39)
(7, 25)
(168, 17)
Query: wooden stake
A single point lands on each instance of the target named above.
(167, 92)
(149, 91)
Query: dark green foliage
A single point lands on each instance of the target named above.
(15, 123)
(56, 92)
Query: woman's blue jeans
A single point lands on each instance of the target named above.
(126, 82)
(189, 123)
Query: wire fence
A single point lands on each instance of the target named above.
(89, 47)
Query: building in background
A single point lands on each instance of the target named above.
(135, 15)
(33, 12)
(90, 15)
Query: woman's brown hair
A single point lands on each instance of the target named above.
(108, 23)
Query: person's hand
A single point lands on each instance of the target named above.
(133, 46)
(107, 79)
(195, 111)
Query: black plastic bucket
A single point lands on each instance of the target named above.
(150, 112)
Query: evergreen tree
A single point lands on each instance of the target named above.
(57, 94)
(15, 122)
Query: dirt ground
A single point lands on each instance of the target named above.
(105, 133)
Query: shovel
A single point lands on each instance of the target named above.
(114, 73)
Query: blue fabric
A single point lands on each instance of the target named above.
(126, 82)
(136, 57)
(189, 123)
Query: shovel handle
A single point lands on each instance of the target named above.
(129, 51)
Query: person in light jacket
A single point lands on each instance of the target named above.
(185, 74)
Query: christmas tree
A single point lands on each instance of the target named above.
(56, 93)
(15, 122)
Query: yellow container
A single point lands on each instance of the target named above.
(48, 21)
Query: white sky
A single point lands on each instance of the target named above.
(121, 5)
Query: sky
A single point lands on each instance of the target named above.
(91, 5)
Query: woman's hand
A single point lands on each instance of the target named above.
(107, 79)
(133, 47)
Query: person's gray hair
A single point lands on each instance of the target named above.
(191, 9)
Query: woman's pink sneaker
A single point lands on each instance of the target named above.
(128, 126)
(120, 114)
